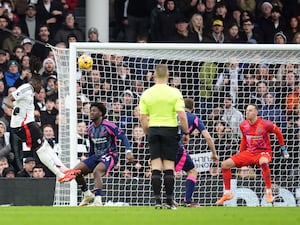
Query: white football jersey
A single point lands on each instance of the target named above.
(23, 111)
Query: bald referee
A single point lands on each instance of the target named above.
(159, 107)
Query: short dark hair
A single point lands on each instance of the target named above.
(254, 105)
(189, 103)
(100, 106)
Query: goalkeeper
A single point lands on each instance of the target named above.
(255, 149)
(184, 161)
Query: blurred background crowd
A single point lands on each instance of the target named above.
(27, 25)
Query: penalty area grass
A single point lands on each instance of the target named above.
(44, 215)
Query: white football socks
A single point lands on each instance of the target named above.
(54, 156)
(47, 160)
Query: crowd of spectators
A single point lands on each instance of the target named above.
(209, 21)
(220, 90)
(25, 28)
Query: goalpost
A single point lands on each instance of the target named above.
(214, 76)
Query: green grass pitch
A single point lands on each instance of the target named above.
(26, 215)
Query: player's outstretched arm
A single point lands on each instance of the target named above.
(211, 145)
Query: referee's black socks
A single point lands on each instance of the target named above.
(169, 184)
(156, 183)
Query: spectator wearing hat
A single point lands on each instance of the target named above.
(280, 38)
(266, 9)
(128, 101)
(12, 74)
(28, 165)
(48, 69)
(216, 35)
(14, 38)
(93, 35)
(34, 62)
(277, 24)
(29, 23)
(165, 25)
(69, 26)
(52, 87)
(265, 22)
(183, 35)
(27, 45)
(9, 172)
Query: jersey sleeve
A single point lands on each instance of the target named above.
(276, 130)
(22, 91)
(179, 105)
(198, 124)
(119, 133)
(243, 144)
(142, 106)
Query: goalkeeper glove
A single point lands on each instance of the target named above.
(284, 152)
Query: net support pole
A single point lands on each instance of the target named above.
(73, 123)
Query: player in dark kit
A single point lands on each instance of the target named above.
(184, 161)
(104, 156)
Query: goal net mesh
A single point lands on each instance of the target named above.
(222, 80)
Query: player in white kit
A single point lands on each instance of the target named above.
(24, 126)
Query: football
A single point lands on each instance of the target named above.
(85, 62)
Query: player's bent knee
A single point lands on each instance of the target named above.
(227, 164)
(193, 172)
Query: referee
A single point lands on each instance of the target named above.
(159, 107)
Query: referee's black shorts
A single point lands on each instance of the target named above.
(163, 142)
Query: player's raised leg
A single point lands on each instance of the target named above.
(44, 154)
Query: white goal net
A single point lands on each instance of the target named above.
(222, 80)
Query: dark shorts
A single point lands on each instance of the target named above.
(183, 161)
(163, 142)
(110, 161)
(31, 134)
